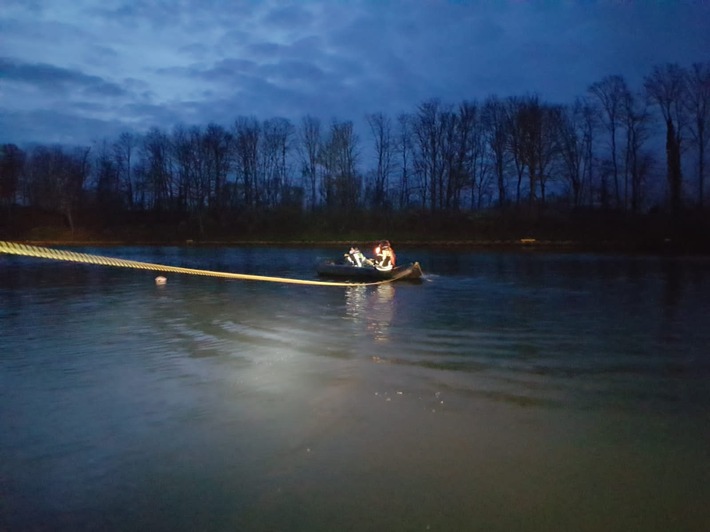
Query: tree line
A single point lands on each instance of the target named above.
(518, 154)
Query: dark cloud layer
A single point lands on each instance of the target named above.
(80, 71)
(43, 77)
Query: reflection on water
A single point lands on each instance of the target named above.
(508, 392)
(373, 307)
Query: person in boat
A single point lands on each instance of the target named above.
(385, 258)
(355, 257)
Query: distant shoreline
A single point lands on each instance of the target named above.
(664, 247)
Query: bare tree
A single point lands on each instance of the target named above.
(481, 169)
(636, 120)
(611, 92)
(274, 148)
(192, 181)
(123, 156)
(467, 154)
(12, 162)
(247, 133)
(464, 156)
(547, 151)
(217, 146)
(589, 121)
(183, 155)
(157, 170)
(338, 157)
(666, 86)
(573, 138)
(405, 150)
(429, 129)
(56, 179)
(496, 129)
(453, 178)
(381, 128)
(698, 106)
(309, 146)
(516, 135)
(72, 180)
(107, 181)
(534, 144)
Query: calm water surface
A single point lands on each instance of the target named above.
(505, 392)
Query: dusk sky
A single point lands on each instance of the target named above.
(78, 71)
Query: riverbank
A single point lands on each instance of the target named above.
(585, 232)
(660, 247)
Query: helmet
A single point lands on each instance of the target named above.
(385, 244)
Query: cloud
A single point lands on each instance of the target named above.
(228, 70)
(197, 61)
(49, 78)
(68, 127)
(288, 16)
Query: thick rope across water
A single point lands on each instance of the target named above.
(26, 250)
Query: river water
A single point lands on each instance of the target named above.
(507, 391)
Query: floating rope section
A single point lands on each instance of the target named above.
(26, 250)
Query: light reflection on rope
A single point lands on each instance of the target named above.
(26, 250)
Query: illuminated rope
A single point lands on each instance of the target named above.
(25, 250)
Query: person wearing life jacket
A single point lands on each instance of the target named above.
(356, 257)
(384, 256)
